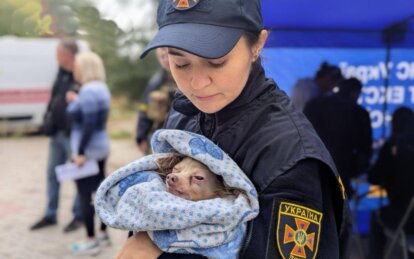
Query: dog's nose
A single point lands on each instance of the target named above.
(172, 178)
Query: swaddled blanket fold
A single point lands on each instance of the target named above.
(135, 198)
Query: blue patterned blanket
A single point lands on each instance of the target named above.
(135, 198)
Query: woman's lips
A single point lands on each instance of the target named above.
(205, 98)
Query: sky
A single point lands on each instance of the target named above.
(127, 13)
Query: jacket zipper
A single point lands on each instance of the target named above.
(215, 120)
(209, 132)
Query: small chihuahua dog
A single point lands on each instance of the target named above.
(189, 179)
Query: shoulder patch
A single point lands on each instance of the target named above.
(298, 230)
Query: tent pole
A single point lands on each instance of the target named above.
(386, 85)
(392, 34)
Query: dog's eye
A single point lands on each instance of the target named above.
(200, 178)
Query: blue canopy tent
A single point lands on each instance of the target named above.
(344, 24)
(363, 27)
(359, 34)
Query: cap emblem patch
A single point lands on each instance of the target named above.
(183, 5)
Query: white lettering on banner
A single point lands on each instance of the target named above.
(405, 70)
(398, 94)
(372, 95)
(365, 73)
(374, 72)
(377, 118)
(383, 68)
(411, 89)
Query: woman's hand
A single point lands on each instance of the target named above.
(139, 246)
(71, 96)
(79, 160)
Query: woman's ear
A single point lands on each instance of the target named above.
(257, 49)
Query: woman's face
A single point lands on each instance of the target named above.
(212, 84)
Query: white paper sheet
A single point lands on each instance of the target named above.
(70, 171)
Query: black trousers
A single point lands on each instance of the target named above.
(86, 187)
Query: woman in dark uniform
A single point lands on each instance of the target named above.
(214, 48)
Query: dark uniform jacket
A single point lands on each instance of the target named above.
(303, 210)
(345, 128)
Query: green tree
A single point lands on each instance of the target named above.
(127, 75)
(24, 18)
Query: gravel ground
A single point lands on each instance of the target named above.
(23, 199)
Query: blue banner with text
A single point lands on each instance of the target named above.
(287, 65)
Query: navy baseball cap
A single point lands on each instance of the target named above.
(206, 28)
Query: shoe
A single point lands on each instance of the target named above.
(73, 225)
(103, 239)
(44, 222)
(87, 247)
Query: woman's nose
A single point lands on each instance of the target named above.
(200, 80)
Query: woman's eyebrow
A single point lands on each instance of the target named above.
(175, 53)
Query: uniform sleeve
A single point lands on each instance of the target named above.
(298, 216)
(144, 124)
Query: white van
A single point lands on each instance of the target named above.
(28, 69)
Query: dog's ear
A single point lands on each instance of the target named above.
(166, 164)
(223, 190)
(226, 191)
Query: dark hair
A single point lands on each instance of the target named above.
(350, 85)
(251, 37)
(323, 69)
(402, 120)
(332, 71)
(70, 44)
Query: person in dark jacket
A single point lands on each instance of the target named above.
(214, 48)
(325, 80)
(56, 126)
(155, 103)
(393, 171)
(345, 128)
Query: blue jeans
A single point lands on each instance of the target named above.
(59, 153)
